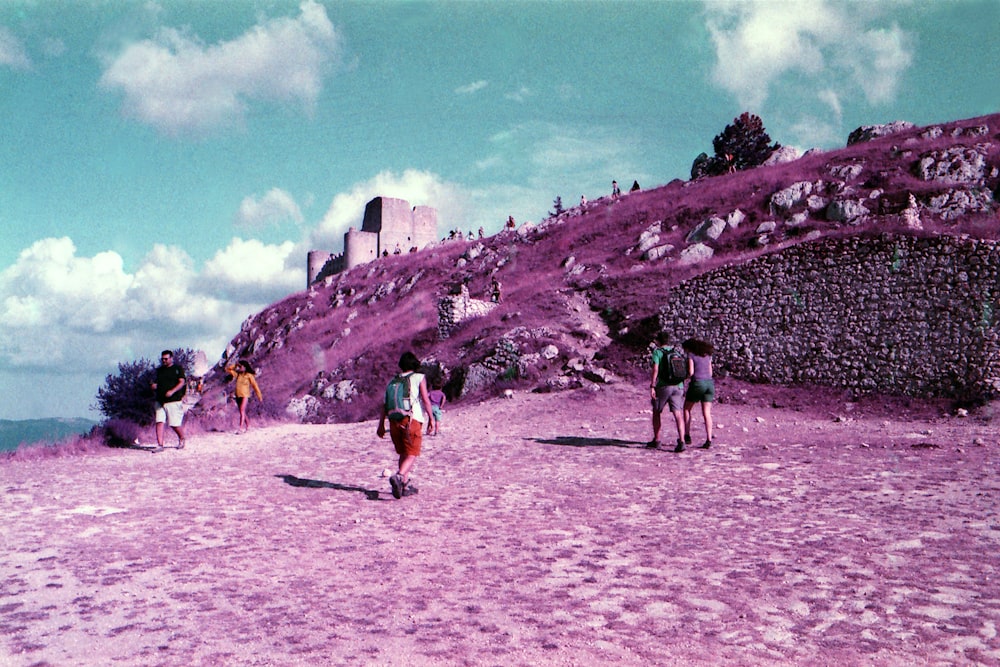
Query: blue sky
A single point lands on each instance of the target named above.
(167, 165)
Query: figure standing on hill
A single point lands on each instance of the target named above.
(635, 186)
(615, 190)
(407, 407)
(437, 398)
(496, 291)
(701, 389)
(170, 387)
(667, 388)
(246, 381)
(583, 200)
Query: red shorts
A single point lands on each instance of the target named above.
(407, 435)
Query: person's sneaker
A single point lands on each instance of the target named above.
(653, 444)
(410, 490)
(680, 446)
(157, 449)
(708, 443)
(396, 482)
(180, 444)
(687, 438)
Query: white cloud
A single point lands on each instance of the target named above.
(826, 43)
(520, 95)
(878, 59)
(832, 100)
(473, 87)
(71, 316)
(255, 270)
(12, 53)
(420, 188)
(274, 207)
(177, 84)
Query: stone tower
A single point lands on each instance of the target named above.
(389, 226)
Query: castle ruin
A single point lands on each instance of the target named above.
(390, 227)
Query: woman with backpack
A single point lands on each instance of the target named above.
(407, 406)
(701, 388)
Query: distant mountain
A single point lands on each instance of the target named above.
(13, 433)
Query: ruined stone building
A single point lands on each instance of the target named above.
(390, 226)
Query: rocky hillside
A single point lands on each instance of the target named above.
(584, 291)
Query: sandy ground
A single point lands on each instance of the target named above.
(544, 533)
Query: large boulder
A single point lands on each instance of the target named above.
(782, 155)
(959, 165)
(956, 204)
(695, 254)
(869, 132)
(846, 210)
(783, 200)
(709, 229)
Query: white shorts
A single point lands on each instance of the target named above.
(172, 413)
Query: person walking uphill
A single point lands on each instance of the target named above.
(701, 389)
(246, 381)
(407, 406)
(170, 387)
(666, 387)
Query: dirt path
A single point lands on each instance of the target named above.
(543, 534)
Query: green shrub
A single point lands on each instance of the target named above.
(128, 395)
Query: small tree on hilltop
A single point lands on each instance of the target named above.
(558, 205)
(745, 141)
(743, 145)
(128, 394)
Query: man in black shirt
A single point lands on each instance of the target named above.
(170, 389)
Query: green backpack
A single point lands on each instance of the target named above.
(398, 404)
(673, 367)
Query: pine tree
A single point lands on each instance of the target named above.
(744, 144)
(558, 205)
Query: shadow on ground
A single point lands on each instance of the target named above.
(292, 480)
(571, 441)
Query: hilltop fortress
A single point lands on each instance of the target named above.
(390, 227)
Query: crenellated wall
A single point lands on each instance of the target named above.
(892, 314)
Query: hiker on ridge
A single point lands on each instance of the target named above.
(407, 407)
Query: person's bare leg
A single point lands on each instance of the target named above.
(681, 426)
(687, 417)
(706, 411)
(405, 465)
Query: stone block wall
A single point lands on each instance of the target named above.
(457, 308)
(888, 314)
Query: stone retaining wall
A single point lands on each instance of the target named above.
(457, 308)
(889, 314)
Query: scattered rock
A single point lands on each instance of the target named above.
(869, 132)
(696, 253)
(783, 200)
(709, 229)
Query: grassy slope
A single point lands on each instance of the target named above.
(361, 340)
